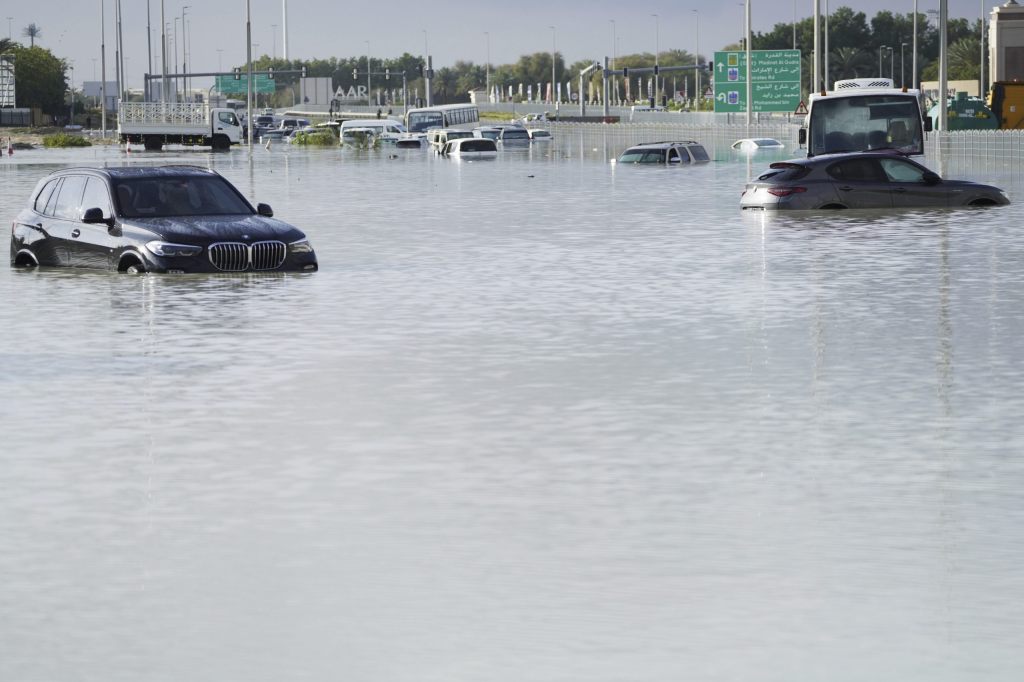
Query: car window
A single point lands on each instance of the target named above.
(44, 195)
(69, 198)
(858, 170)
(899, 170)
(226, 117)
(699, 153)
(96, 196)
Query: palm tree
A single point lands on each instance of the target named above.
(850, 62)
(6, 45)
(32, 31)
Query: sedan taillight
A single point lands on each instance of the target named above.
(785, 191)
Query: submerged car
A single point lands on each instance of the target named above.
(665, 153)
(174, 219)
(862, 180)
(753, 144)
(470, 148)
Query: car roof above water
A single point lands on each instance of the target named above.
(139, 171)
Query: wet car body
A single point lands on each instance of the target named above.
(884, 179)
(672, 153)
(178, 219)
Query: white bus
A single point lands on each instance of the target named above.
(443, 116)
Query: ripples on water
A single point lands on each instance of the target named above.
(539, 418)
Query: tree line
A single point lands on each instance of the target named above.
(858, 47)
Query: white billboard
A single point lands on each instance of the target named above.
(6, 81)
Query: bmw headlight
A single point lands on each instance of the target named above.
(170, 250)
(301, 246)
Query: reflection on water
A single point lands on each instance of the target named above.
(537, 418)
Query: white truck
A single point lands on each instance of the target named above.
(862, 114)
(155, 124)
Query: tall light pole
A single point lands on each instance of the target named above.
(881, 50)
(554, 97)
(175, 57)
(696, 59)
(615, 87)
(248, 73)
(892, 63)
(657, 50)
(750, 81)
(184, 57)
(165, 92)
(943, 67)
(903, 79)
(103, 69)
(913, 59)
(981, 63)
(149, 55)
(273, 41)
(220, 62)
(488, 72)
(284, 29)
(824, 52)
(367, 73)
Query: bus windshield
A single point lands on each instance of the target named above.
(420, 121)
(861, 123)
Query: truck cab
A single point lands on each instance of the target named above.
(863, 114)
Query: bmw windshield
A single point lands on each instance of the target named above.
(177, 196)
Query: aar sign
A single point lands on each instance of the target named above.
(774, 78)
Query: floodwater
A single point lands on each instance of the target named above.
(540, 418)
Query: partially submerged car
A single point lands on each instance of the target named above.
(674, 153)
(470, 148)
(862, 180)
(176, 219)
(754, 144)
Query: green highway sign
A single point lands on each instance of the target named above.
(261, 83)
(775, 80)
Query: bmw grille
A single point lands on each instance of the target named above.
(239, 257)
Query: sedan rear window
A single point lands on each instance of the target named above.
(177, 196)
(785, 172)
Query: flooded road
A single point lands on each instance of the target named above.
(541, 418)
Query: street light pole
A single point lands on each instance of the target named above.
(615, 87)
(981, 64)
(488, 72)
(892, 63)
(696, 60)
(273, 41)
(881, 50)
(554, 97)
(903, 80)
(184, 56)
(368, 73)
(657, 49)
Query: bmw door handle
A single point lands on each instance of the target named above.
(900, 190)
(75, 232)
(845, 188)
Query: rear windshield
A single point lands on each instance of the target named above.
(643, 156)
(510, 134)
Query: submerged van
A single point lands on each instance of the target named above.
(385, 129)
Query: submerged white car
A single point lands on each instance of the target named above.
(753, 144)
(470, 148)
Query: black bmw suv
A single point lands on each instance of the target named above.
(153, 219)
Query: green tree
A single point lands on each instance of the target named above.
(40, 80)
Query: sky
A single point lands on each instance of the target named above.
(477, 31)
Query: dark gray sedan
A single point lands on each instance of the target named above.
(862, 180)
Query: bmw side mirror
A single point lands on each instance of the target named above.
(95, 215)
(927, 124)
(265, 210)
(802, 136)
(931, 178)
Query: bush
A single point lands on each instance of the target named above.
(318, 139)
(65, 140)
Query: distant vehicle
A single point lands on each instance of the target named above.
(531, 118)
(862, 180)
(645, 109)
(863, 114)
(444, 116)
(384, 129)
(470, 148)
(514, 135)
(438, 137)
(539, 134)
(753, 144)
(154, 124)
(411, 141)
(490, 132)
(138, 219)
(666, 153)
